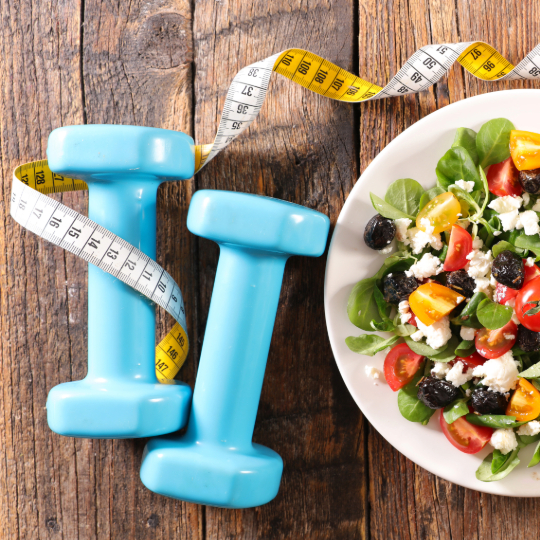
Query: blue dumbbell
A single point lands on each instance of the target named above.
(215, 462)
(120, 396)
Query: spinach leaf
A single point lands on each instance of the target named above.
(410, 407)
(448, 353)
(443, 181)
(398, 262)
(484, 473)
(430, 195)
(536, 457)
(503, 245)
(468, 316)
(457, 164)
(369, 344)
(403, 329)
(466, 138)
(529, 242)
(492, 315)
(361, 306)
(495, 421)
(525, 440)
(386, 324)
(405, 194)
(419, 347)
(499, 461)
(493, 141)
(387, 210)
(465, 348)
(455, 410)
(532, 373)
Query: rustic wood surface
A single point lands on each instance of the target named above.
(168, 63)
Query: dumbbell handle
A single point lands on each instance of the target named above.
(116, 312)
(236, 343)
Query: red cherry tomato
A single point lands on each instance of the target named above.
(503, 293)
(412, 320)
(400, 366)
(459, 247)
(472, 361)
(466, 436)
(494, 343)
(503, 179)
(527, 299)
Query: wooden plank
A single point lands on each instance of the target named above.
(302, 149)
(406, 501)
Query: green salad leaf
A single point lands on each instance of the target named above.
(457, 164)
(369, 344)
(405, 194)
(529, 242)
(492, 315)
(419, 347)
(387, 210)
(468, 316)
(503, 245)
(386, 324)
(532, 373)
(448, 351)
(466, 138)
(465, 348)
(429, 195)
(410, 407)
(495, 421)
(484, 473)
(455, 410)
(493, 141)
(361, 307)
(499, 461)
(535, 460)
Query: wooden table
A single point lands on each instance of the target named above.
(168, 63)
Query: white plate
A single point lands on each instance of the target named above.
(414, 154)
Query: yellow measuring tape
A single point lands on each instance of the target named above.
(245, 98)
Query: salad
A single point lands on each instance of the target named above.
(459, 294)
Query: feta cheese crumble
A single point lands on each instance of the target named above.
(526, 198)
(499, 374)
(440, 369)
(404, 312)
(504, 440)
(508, 209)
(374, 373)
(479, 263)
(457, 376)
(531, 428)
(386, 250)
(436, 334)
(528, 221)
(465, 185)
(427, 266)
(417, 336)
(419, 239)
(529, 262)
(536, 206)
(402, 224)
(467, 333)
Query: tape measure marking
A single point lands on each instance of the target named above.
(424, 68)
(32, 208)
(59, 224)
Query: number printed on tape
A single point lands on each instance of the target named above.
(32, 182)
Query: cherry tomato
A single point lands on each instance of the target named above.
(442, 212)
(525, 149)
(494, 343)
(432, 301)
(412, 320)
(472, 361)
(525, 402)
(466, 436)
(527, 299)
(503, 179)
(503, 293)
(459, 247)
(400, 366)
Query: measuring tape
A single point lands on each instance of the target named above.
(34, 210)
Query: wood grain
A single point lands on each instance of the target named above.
(168, 63)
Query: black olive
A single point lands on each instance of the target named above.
(461, 282)
(485, 401)
(436, 393)
(530, 180)
(398, 287)
(527, 340)
(380, 231)
(508, 269)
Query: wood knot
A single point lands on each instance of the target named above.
(153, 521)
(52, 524)
(164, 41)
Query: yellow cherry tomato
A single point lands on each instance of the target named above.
(432, 301)
(525, 149)
(525, 402)
(441, 213)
